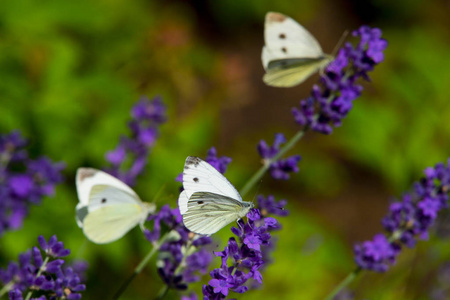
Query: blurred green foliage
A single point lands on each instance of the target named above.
(70, 72)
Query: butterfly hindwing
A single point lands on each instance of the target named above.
(109, 223)
(207, 212)
(292, 73)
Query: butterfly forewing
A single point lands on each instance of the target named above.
(207, 212)
(285, 38)
(86, 178)
(105, 195)
(291, 54)
(198, 176)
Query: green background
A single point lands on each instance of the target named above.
(71, 70)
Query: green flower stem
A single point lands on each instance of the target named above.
(347, 280)
(6, 288)
(183, 260)
(41, 269)
(162, 292)
(260, 173)
(141, 266)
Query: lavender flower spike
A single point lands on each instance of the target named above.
(47, 277)
(329, 105)
(281, 168)
(18, 190)
(130, 156)
(408, 220)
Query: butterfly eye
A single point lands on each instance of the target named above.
(195, 179)
(104, 200)
(282, 36)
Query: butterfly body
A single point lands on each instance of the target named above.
(291, 54)
(108, 208)
(209, 201)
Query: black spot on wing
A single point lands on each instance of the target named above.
(200, 202)
(103, 200)
(284, 50)
(282, 36)
(195, 179)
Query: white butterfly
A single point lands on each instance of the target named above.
(108, 208)
(291, 54)
(209, 201)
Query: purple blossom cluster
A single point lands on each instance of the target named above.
(329, 105)
(407, 220)
(23, 181)
(178, 263)
(43, 278)
(129, 158)
(245, 254)
(281, 168)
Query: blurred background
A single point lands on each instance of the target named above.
(71, 70)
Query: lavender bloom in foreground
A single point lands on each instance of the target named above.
(246, 256)
(171, 253)
(130, 156)
(281, 168)
(408, 220)
(329, 105)
(20, 189)
(47, 277)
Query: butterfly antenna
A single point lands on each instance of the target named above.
(256, 193)
(158, 194)
(339, 43)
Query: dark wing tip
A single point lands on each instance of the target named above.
(83, 173)
(192, 160)
(274, 17)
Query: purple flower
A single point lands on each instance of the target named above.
(246, 257)
(269, 205)
(129, 158)
(54, 279)
(20, 189)
(219, 163)
(281, 168)
(407, 220)
(329, 105)
(172, 251)
(53, 248)
(376, 255)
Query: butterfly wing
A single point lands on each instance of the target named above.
(109, 223)
(290, 72)
(207, 213)
(288, 45)
(285, 38)
(86, 178)
(200, 176)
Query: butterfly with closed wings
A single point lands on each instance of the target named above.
(209, 201)
(108, 208)
(291, 54)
